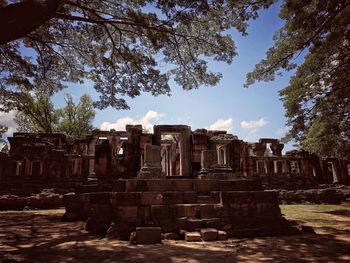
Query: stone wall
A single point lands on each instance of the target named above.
(237, 206)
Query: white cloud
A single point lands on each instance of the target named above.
(147, 121)
(7, 119)
(222, 124)
(254, 124)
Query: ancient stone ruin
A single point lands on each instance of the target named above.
(174, 181)
(171, 151)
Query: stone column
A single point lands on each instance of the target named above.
(133, 151)
(91, 156)
(344, 171)
(185, 153)
(336, 171)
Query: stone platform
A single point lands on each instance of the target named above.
(239, 207)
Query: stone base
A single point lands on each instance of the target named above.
(148, 235)
(172, 205)
(219, 176)
(150, 173)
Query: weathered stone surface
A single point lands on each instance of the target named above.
(159, 212)
(152, 163)
(126, 199)
(190, 197)
(151, 198)
(148, 235)
(159, 185)
(125, 212)
(182, 185)
(194, 224)
(193, 236)
(187, 210)
(100, 198)
(100, 219)
(207, 211)
(206, 185)
(209, 234)
(208, 159)
(222, 235)
(172, 198)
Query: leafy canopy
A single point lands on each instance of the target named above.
(39, 115)
(76, 119)
(3, 142)
(121, 46)
(317, 99)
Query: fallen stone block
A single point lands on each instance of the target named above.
(193, 236)
(148, 235)
(222, 235)
(209, 234)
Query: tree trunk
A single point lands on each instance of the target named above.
(19, 19)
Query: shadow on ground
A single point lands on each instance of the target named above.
(40, 236)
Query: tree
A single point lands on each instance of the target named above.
(36, 113)
(76, 119)
(3, 142)
(39, 115)
(121, 46)
(317, 99)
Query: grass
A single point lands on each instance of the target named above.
(331, 217)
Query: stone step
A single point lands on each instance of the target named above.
(201, 186)
(147, 198)
(214, 198)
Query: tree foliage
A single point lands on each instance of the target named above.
(317, 99)
(121, 46)
(3, 143)
(76, 119)
(37, 114)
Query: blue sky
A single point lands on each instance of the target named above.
(249, 113)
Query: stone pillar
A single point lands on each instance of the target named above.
(28, 167)
(152, 167)
(336, 171)
(91, 156)
(133, 151)
(344, 171)
(185, 153)
(285, 167)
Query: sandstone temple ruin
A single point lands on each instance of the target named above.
(171, 151)
(174, 181)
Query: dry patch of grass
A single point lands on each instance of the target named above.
(324, 218)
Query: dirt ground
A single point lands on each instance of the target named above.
(40, 236)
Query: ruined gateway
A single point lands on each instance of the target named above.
(172, 180)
